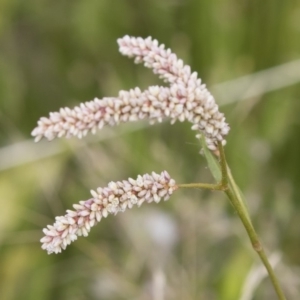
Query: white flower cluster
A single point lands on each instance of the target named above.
(198, 105)
(116, 197)
(156, 57)
(185, 99)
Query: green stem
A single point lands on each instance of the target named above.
(224, 168)
(231, 189)
(256, 244)
(236, 200)
(237, 193)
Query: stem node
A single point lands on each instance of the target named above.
(257, 246)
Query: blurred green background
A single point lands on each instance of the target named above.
(60, 53)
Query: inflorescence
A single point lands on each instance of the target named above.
(116, 197)
(185, 99)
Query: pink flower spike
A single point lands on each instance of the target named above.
(88, 213)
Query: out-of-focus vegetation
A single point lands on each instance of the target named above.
(60, 53)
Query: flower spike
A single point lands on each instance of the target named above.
(185, 99)
(116, 197)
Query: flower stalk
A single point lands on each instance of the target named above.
(228, 185)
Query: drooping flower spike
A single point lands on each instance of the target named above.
(208, 120)
(162, 61)
(186, 99)
(116, 197)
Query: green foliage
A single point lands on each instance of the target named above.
(213, 165)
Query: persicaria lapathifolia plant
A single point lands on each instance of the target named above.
(185, 99)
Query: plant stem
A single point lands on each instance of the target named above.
(231, 189)
(224, 168)
(236, 191)
(256, 244)
(236, 200)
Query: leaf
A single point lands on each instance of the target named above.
(213, 164)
